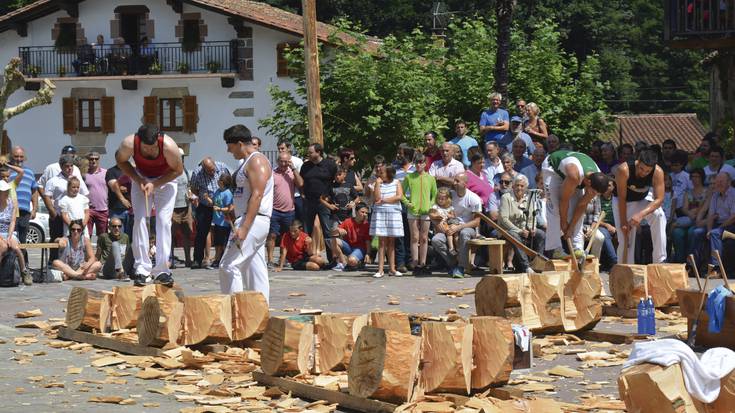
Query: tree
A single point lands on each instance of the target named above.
(504, 18)
(374, 100)
(13, 80)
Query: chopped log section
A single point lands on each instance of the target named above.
(334, 341)
(287, 347)
(664, 280)
(390, 320)
(628, 284)
(653, 388)
(538, 296)
(493, 349)
(591, 264)
(580, 301)
(160, 320)
(249, 314)
(207, 319)
(384, 365)
(126, 303)
(88, 310)
(446, 357)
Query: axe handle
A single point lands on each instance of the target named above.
(592, 232)
(722, 270)
(573, 258)
(693, 263)
(510, 238)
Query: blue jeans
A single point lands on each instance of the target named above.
(687, 240)
(609, 255)
(715, 241)
(400, 247)
(347, 250)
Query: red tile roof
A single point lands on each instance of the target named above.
(684, 128)
(251, 11)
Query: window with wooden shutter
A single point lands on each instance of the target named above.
(150, 110)
(69, 115)
(191, 114)
(89, 115)
(108, 114)
(281, 62)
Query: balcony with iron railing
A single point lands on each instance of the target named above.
(699, 19)
(121, 60)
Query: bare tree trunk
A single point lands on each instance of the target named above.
(13, 80)
(504, 16)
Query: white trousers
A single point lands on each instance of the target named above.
(163, 198)
(597, 240)
(245, 268)
(552, 185)
(657, 222)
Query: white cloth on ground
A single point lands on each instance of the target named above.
(701, 376)
(522, 336)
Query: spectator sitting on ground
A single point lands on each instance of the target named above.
(113, 251)
(76, 259)
(296, 249)
(352, 238)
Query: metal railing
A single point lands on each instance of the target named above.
(115, 60)
(688, 18)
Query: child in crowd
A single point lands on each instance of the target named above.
(297, 246)
(341, 200)
(386, 222)
(74, 206)
(444, 209)
(222, 201)
(5, 168)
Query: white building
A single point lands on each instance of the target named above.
(107, 92)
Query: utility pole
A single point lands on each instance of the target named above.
(311, 62)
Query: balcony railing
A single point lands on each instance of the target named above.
(699, 18)
(115, 60)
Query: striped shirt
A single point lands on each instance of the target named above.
(202, 183)
(26, 188)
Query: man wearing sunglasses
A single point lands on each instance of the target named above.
(157, 165)
(571, 180)
(112, 251)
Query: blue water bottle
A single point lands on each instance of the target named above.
(641, 313)
(651, 317)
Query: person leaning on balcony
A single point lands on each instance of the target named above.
(119, 55)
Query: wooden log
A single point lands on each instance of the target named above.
(689, 306)
(494, 293)
(580, 301)
(493, 350)
(725, 402)
(160, 320)
(334, 341)
(207, 319)
(249, 314)
(384, 365)
(390, 320)
(653, 388)
(88, 310)
(664, 280)
(109, 343)
(628, 284)
(591, 265)
(287, 347)
(126, 303)
(446, 357)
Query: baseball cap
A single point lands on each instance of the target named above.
(516, 119)
(4, 186)
(68, 149)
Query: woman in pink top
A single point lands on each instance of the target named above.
(477, 182)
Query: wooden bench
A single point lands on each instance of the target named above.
(495, 256)
(44, 247)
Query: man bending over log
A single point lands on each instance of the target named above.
(633, 202)
(157, 164)
(243, 263)
(572, 180)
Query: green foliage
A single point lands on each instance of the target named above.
(372, 101)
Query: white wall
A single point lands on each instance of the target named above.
(40, 130)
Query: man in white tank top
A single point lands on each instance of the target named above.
(243, 265)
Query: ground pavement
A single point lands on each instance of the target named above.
(331, 291)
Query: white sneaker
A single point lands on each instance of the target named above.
(397, 274)
(378, 275)
(339, 267)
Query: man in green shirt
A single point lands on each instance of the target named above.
(112, 251)
(571, 180)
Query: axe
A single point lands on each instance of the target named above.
(538, 260)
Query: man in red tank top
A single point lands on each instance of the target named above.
(157, 164)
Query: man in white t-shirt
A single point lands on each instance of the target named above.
(444, 170)
(466, 206)
(53, 169)
(716, 165)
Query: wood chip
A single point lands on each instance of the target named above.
(296, 294)
(394, 302)
(162, 390)
(565, 371)
(74, 370)
(150, 373)
(25, 341)
(218, 401)
(39, 324)
(168, 363)
(438, 407)
(29, 313)
(107, 361)
(463, 306)
(311, 311)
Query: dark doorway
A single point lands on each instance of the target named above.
(130, 29)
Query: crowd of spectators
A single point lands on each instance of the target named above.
(415, 213)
